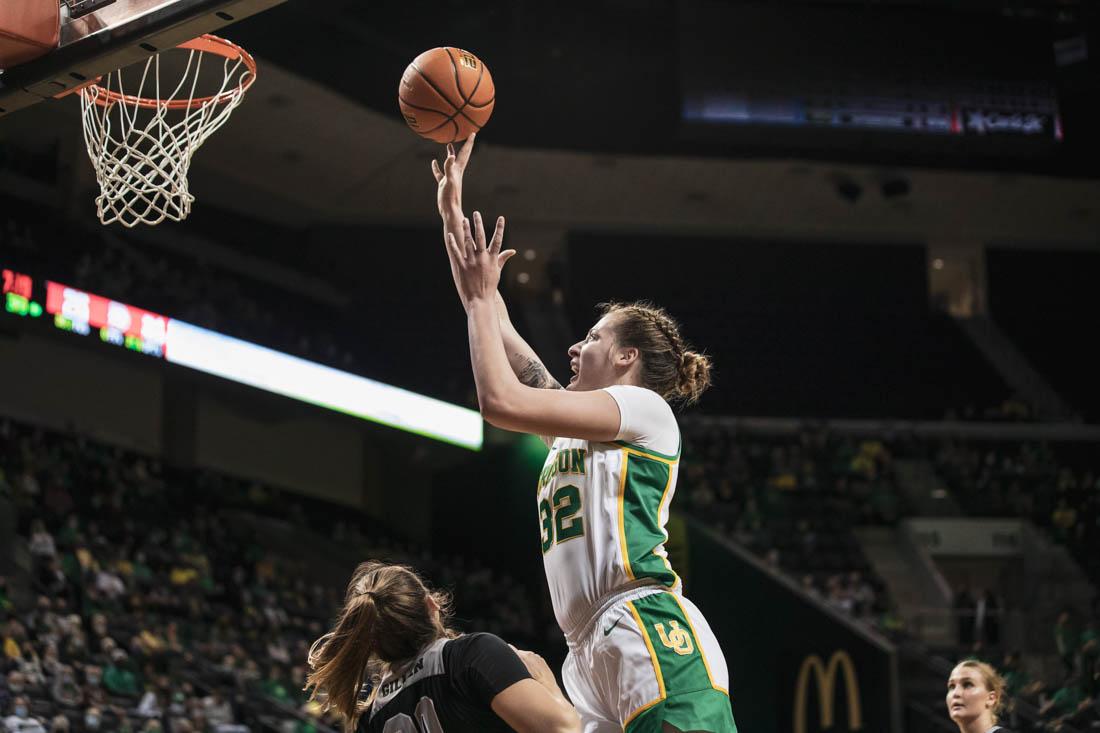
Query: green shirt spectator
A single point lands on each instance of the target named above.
(275, 689)
(66, 536)
(1067, 699)
(1014, 676)
(70, 566)
(141, 572)
(120, 680)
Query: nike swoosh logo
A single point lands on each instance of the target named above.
(611, 628)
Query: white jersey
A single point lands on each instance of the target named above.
(603, 508)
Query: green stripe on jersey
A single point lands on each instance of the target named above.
(643, 489)
(650, 451)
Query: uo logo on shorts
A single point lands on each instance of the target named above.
(826, 677)
(678, 640)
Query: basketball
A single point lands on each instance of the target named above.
(446, 94)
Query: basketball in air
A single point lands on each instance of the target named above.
(446, 94)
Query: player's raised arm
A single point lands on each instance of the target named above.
(505, 401)
(525, 363)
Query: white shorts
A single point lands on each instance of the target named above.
(649, 658)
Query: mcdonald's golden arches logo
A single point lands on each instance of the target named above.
(678, 640)
(825, 676)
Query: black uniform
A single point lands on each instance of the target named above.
(448, 689)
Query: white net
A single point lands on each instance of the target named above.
(141, 140)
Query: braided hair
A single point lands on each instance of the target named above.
(669, 367)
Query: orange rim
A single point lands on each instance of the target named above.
(206, 43)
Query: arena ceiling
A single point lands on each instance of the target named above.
(319, 141)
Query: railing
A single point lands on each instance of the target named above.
(1009, 621)
(1053, 431)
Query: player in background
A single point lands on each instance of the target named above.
(641, 656)
(425, 678)
(976, 697)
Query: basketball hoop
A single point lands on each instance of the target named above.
(141, 146)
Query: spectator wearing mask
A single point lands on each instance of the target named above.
(93, 719)
(93, 678)
(20, 720)
(117, 677)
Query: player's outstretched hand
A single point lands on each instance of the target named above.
(476, 265)
(449, 178)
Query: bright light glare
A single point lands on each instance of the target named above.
(274, 371)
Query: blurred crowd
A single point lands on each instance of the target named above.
(1055, 486)
(154, 603)
(198, 291)
(794, 502)
(1068, 700)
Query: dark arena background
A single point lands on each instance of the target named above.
(880, 219)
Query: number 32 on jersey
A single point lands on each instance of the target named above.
(559, 517)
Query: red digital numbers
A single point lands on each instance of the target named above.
(18, 283)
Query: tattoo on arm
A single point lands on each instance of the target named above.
(534, 374)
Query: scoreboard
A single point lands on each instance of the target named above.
(172, 340)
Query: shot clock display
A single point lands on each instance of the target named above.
(18, 290)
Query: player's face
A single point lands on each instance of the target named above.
(592, 359)
(967, 696)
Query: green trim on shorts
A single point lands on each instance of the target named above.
(683, 664)
(702, 710)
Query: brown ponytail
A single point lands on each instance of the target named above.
(385, 620)
(669, 367)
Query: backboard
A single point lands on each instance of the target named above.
(98, 36)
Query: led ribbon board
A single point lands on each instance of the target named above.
(241, 361)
